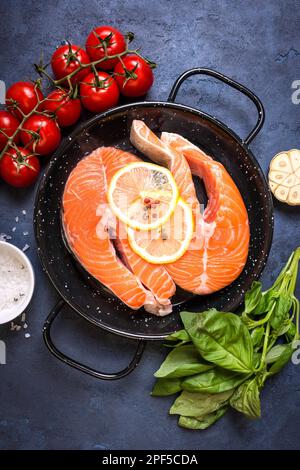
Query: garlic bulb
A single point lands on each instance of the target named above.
(284, 177)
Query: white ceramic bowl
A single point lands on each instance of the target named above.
(11, 314)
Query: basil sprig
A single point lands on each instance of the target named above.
(221, 360)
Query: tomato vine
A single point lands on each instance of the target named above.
(69, 88)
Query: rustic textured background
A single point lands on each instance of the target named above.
(46, 405)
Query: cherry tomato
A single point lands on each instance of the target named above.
(25, 95)
(115, 43)
(99, 97)
(136, 78)
(48, 138)
(66, 109)
(8, 124)
(66, 59)
(19, 167)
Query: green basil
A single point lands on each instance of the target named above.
(284, 327)
(282, 360)
(266, 302)
(253, 297)
(221, 338)
(291, 332)
(199, 404)
(165, 387)
(182, 362)
(281, 310)
(202, 422)
(246, 399)
(217, 362)
(180, 337)
(213, 381)
(257, 336)
(275, 353)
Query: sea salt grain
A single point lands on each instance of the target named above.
(13, 326)
(25, 247)
(14, 281)
(27, 335)
(4, 237)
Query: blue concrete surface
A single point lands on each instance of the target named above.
(46, 405)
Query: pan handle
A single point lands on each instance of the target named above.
(77, 365)
(232, 83)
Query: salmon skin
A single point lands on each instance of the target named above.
(221, 249)
(83, 204)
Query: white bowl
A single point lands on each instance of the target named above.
(11, 314)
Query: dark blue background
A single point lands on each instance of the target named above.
(46, 405)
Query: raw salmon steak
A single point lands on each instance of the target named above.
(218, 253)
(154, 277)
(84, 204)
(225, 220)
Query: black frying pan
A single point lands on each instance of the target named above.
(86, 296)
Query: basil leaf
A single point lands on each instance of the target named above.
(266, 301)
(256, 359)
(199, 404)
(189, 318)
(253, 297)
(221, 338)
(257, 336)
(284, 327)
(182, 362)
(202, 422)
(282, 360)
(275, 353)
(291, 332)
(246, 399)
(165, 387)
(180, 336)
(213, 381)
(281, 310)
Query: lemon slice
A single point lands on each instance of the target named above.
(167, 243)
(143, 195)
(284, 177)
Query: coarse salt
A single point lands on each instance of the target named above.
(14, 281)
(4, 237)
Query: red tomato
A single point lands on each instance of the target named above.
(66, 109)
(136, 78)
(66, 59)
(19, 168)
(8, 124)
(99, 97)
(25, 95)
(49, 134)
(115, 42)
